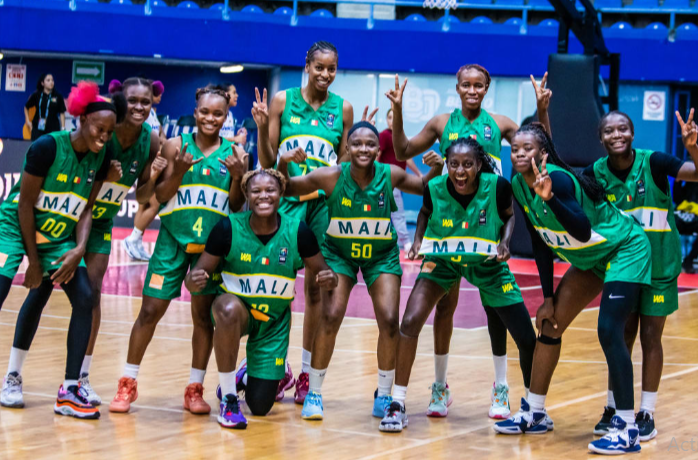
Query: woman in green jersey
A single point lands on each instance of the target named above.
(360, 236)
(47, 217)
(260, 250)
(471, 120)
(569, 215)
(194, 194)
(318, 121)
(636, 181)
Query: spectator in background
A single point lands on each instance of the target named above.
(228, 130)
(387, 155)
(50, 108)
(158, 91)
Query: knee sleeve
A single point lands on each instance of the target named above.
(547, 340)
(260, 394)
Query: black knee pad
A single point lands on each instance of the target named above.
(546, 340)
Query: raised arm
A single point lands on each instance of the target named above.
(320, 179)
(412, 184)
(543, 96)
(236, 164)
(689, 136)
(348, 119)
(268, 121)
(178, 163)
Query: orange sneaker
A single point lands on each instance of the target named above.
(125, 395)
(194, 399)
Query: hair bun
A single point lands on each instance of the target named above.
(158, 88)
(115, 86)
(80, 96)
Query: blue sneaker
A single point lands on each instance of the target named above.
(621, 439)
(312, 407)
(524, 421)
(381, 404)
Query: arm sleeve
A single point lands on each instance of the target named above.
(32, 101)
(40, 156)
(566, 208)
(307, 242)
(504, 197)
(663, 166)
(220, 238)
(104, 169)
(426, 199)
(544, 260)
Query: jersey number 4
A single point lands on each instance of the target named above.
(198, 226)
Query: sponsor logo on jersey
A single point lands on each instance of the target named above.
(222, 170)
(428, 267)
(112, 193)
(447, 222)
(330, 120)
(367, 207)
(346, 202)
(283, 254)
(483, 217)
(198, 196)
(68, 205)
(452, 136)
(374, 229)
(107, 237)
(91, 176)
(134, 167)
(314, 123)
(611, 198)
(265, 261)
(62, 178)
(640, 188)
(507, 288)
(156, 281)
(608, 266)
(487, 134)
(295, 120)
(381, 200)
(259, 285)
(245, 257)
(658, 299)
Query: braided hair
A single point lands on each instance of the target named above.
(477, 67)
(322, 47)
(218, 90)
(486, 161)
(589, 184)
(269, 172)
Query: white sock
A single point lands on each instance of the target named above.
(537, 402)
(86, 363)
(69, 383)
(440, 368)
(399, 393)
(628, 416)
(227, 381)
(305, 361)
(17, 358)
(315, 379)
(500, 370)
(196, 376)
(137, 233)
(385, 382)
(526, 392)
(648, 401)
(131, 370)
(610, 401)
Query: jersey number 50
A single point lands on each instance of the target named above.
(361, 252)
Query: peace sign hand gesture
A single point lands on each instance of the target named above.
(543, 94)
(184, 160)
(689, 131)
(543, 186)
(260, 109)
(395, 95)
(369, 118)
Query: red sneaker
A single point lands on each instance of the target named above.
(286, 383)
(194, 399)
(125, 395)
(302, 385)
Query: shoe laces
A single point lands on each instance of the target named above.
(84, 382)
(195, 392)
(232, 406)
(80, 394)
(501, 394)
(394, 409)
(642, 417)
(126, 386)
(437, 392)
(13, 382)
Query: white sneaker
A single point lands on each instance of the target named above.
(395, 418)
(92, 397)
(11, 395)
(131, 248)
(141, 250)
(500, 408)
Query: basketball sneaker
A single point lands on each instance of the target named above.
(621, 439)
(302, 384)
(381, 404)
(312, 407)
(395, 419)
(500, 408)
(73, 402)
(645, 424)
(440, 400)
(132, 246)
(125, 395)
(525, 421)
(604, 425)
(240, 386)
(11, 395)
(286, 383)
(230, 415)
(92, 397)
(194, 399)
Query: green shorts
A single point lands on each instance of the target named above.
(661, 298)
(371, 269)
(494, 280)
(99, 241)
(267, 345)
(167, 268)
(313, 212)
(12, 253)
(631, 263)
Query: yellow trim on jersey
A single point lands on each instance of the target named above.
(189, 208)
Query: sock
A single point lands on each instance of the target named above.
(537, 402)
(648, 401)
(628, 416)
(500, 370)
(440, 368)
(137, 233)
(305, 361)
(315, 379)
(131, 370)
(399, 394)
(385, 382)
(196, 376)
(86, 363)
(227, 381)
(610, 401)
(526, 392)
(17, 357)
(69, 383)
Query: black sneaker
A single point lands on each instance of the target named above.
(603, 427)
(645, 423)
(687, 266)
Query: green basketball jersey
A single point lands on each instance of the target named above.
(318, 132)
(483, 129)
(201, 200)
(263, 275)
(609, 226)
(360, 226)
(652, 207)
(63, 195)
(132, 160)
(468, 235)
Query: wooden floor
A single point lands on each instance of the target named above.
(157, 426)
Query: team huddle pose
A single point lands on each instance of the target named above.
(320, 201)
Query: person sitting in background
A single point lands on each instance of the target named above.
(49, 115)
(228, 131)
